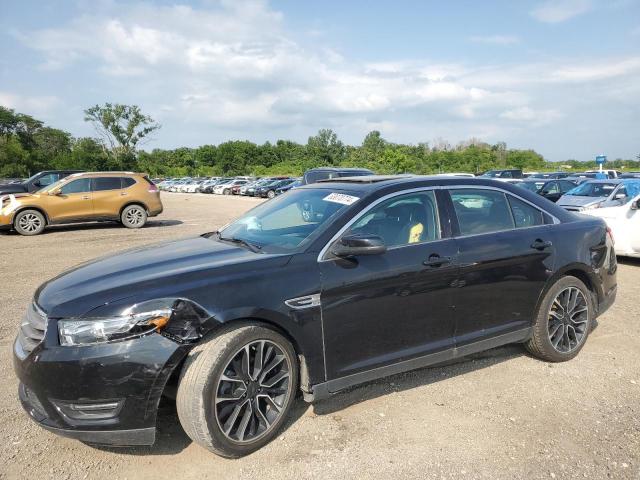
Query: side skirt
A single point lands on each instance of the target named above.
(325, 390)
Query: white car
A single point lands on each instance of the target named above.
(225, 188)
(624, 222)
(191, 187)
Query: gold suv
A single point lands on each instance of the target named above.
(122, 196)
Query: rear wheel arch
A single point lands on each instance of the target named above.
(135, 202)
(576, 270)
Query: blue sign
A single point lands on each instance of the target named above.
(601, 159)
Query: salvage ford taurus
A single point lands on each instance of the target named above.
(329, 286)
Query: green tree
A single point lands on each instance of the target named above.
(123, 128)
(324, 149)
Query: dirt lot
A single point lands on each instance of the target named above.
(500, 414)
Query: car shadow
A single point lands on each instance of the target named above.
(76, 227)
(632, 261)
(171, 439)
(417, 378)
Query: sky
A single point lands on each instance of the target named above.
(561, 77)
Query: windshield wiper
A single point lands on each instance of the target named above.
(240, 241)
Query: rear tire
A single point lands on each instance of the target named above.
(216, 384)
(563, 323)
(226, 191)
(133, 216)
(29, 222)
(271, 194)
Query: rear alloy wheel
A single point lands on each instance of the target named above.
(226, 191)
(564, 320)
(29, 222)
(271, 194)
(236, 390)
(134, 216)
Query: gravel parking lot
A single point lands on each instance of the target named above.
(499, 414)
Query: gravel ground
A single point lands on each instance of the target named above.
(499, 414)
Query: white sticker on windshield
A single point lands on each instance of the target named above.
(340, 198)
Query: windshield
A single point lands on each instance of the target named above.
(532, 186)
(592, 189)
(288, 222)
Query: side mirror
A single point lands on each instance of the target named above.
(620, 196)
(55, 192)
(352, 245)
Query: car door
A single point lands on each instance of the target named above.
(551, 191)
(108, 196)
(381, 309)
(72, 201)
(505, 255)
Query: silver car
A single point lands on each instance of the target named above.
(595, 194)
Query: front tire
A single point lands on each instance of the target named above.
(133, 216)
(226, 191)
(237, 389)
(29, 222)
(564, 321)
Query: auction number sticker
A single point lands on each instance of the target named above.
(341, 198)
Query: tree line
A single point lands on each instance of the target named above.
(27, 146)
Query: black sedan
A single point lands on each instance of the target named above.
(269, 190)
(331, 285)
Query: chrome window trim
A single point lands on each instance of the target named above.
(344, 228)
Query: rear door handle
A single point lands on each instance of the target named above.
(86, 197)
(541, 244)
(436, 261)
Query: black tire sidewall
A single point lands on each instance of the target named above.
(16, 222)
(220, 441)
(130, 207)
(271, 194)
(542, 321)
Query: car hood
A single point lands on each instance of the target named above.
(164, 270)
(578, 201)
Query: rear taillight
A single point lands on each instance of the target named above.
(610, 233)
(153, 189)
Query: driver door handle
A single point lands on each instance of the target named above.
(86, 197)
(436, 261)
(541, 244)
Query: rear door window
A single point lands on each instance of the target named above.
(106, 183)
(128, 181)
(481, 211)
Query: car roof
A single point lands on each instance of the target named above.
(339, 169)
(105, 174)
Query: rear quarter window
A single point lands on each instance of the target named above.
(128, 182)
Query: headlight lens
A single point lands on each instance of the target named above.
(592, 207)
(100, 330)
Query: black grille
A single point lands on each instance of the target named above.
(31, 333)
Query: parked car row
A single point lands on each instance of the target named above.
(267, 187)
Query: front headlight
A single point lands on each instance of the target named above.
(100, 330)
(592, 206)
(179, 319)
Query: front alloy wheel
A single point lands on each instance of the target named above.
(252, 391)
(236, 389)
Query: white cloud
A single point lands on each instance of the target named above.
(233, 67)
(495, 39)
(556, 11)
(37, 105)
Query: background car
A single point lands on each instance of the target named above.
(554, 189)
(268, 190)
(501, 174)
(597, 194)
(225, 188)
(126, 197)
(36, 182)
(285, 188)
(323, 173)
